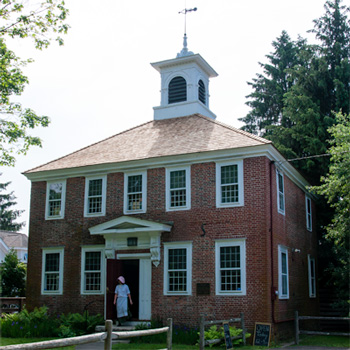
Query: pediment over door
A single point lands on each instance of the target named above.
(118, 234)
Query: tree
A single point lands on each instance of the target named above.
(8, 216)
(13, 276)
(335, 188)
(40, 22)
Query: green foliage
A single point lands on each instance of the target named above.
(8, 216)
(215, 332)
(41, 22)
(335, 188)
(40, 324)
(12, 276)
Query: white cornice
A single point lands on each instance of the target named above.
(267, 150)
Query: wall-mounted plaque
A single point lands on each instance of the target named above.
(203, 288)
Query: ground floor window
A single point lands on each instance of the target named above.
(92, 264)
(178, 268)
(312, 277)
(52, 271)
(230, 267)
(283, 274)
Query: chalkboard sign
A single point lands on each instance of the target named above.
(227, 336)
(262, 334)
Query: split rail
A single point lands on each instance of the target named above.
(106, 337)
(298, 331)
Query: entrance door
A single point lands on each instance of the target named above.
(130, 270)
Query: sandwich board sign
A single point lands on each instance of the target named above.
(262, 334)
(228, 340)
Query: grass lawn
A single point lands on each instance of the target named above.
(325, 340)
(13, 341)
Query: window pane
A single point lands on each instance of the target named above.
(229, 194)
(92, 281)
(95, 205)
(55, 191)
(230, 268)
(135, 183)
(284, 263)
(52, 262)
(230, 280)
(95, 187)
(92, 261)
(177, 259)
(177, 281)
(178, 179)
(229, 174)
(230, 257)
(51, 281)
(178, 188)
(135, 192)
(55, 208)
(229, 184)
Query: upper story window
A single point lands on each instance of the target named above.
(135, 186)
(52, 271)
(229, 184)
(312, 277)
(201, 92)
(92, 267)
(230, 270)
(178, 188)
(178, 268)
(55, 199)
(95, 196)
(283, 274)
(308, 213)
(177, 91)
(280, 192)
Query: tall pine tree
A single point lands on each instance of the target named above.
(7, 215)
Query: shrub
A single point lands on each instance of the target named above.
(40, 324)
(215, 332)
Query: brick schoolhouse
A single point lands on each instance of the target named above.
(200, 218)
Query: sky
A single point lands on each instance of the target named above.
(101, 83)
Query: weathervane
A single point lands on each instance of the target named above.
(184, 51)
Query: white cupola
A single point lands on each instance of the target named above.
(184, 85)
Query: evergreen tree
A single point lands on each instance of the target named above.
(13, 276)
(7, 215)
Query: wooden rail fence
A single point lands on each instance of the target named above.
(92, 338)
(203, 324)
(298, 331)
(12, 304)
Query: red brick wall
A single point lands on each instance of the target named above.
(252, 222)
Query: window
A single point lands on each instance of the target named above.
(52, 271)
(230, 270)
(283, 279)
(229, 184)
(177, 90)
(178, 189)
(308, 213)
(312, 277)
(95, 196)
(178, 268)
(92, 264)
(280, 192)
(201, 92)
(55, 200)
(135, 186)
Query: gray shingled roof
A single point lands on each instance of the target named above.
(158, 138)
(14, 239)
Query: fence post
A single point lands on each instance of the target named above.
(201, 333)
(169, 337)
(296, 324)
(108, 340)
(243, 328)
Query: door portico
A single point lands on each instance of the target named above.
(131, 239)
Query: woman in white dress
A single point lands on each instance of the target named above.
(122, 293)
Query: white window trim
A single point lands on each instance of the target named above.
(84, 250)
(230, 243)
(104, 190)
(188, 188)
(279, 209)
(240, 202)
(63, 200)
(308, 214)
(46, 251)
(178, 245)
(312, 281)
(144, 192)
(281, 250)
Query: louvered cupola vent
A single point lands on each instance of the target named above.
(201, 92)
(177, 90)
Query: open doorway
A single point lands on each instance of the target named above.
(130, 270)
